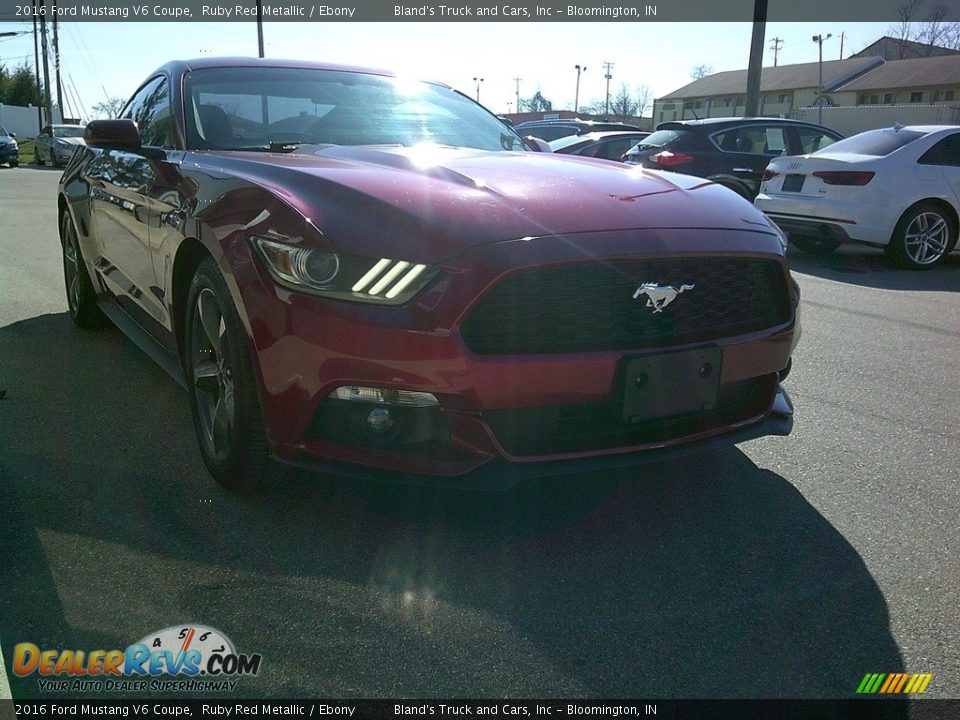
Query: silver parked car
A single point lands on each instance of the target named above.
(55, 143)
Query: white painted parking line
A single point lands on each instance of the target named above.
(4, 683)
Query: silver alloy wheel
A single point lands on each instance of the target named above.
(71, 269)
(926, 238)
(212, 375)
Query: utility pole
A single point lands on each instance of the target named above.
(56, 61)
(841, 44)
(608, 66)
(36, 65)
(517, 81)
(46, 65)
(260, 28)
(752, 108)
(775, 44)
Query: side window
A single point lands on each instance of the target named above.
(945, 152)
(812, 140)
(150, 109)
(613, 149)
(756, 140)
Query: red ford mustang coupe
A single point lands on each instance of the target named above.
(370, 276)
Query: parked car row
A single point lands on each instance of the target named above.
(897, 188)
(54, 144)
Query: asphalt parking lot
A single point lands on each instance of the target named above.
(784, 567)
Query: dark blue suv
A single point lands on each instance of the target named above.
(9, 152)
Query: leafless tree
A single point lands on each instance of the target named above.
(938, 28)
(623, 105)
(644, 99)
(700, 71)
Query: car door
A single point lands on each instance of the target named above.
(122, 212)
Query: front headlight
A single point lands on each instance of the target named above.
(383, 281)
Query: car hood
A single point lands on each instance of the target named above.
(434, 202)
(70, 140)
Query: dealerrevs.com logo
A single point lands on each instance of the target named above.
(177, 658)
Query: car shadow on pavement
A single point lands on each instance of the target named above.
(707, 577)
(867, 266)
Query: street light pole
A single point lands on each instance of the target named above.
(478, 81)
(609, 77)
(818, 39)
(576, 97)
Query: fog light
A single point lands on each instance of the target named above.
(380, 419)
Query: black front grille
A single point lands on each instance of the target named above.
(587, 307)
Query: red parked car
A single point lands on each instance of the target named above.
(373, 277)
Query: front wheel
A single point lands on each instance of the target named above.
(223, 393)
(923, 237)
(81, 298)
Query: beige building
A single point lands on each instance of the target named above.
(927, 81)
(782, 89)
(932, 82)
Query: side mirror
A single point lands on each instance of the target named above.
(13, 134)
(536, 144)
(112, 134)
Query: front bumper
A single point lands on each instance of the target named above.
(500, 474)
(9, 154)
(504, 417)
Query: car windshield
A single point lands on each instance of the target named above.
(67, 131)
(660, 138)
(280, 108)
(873, 142)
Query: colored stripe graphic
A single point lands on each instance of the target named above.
(894, 683)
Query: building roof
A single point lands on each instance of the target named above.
(918, 73)
(784, 77)
(891, 48)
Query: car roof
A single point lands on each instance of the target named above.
(716, 122)
(180, 67)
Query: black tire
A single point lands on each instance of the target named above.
(814, 244)
(15, 163)
(81, 298)
(223, 390)
(923, 237)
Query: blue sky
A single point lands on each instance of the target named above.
(111, 59)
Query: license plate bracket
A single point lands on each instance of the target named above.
(670, 384)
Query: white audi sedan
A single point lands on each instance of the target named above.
(898, 188)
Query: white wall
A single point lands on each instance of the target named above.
(24, 121)
(853, 120)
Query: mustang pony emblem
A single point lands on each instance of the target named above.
(659, 296)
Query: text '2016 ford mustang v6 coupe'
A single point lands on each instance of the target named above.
(370, 276)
